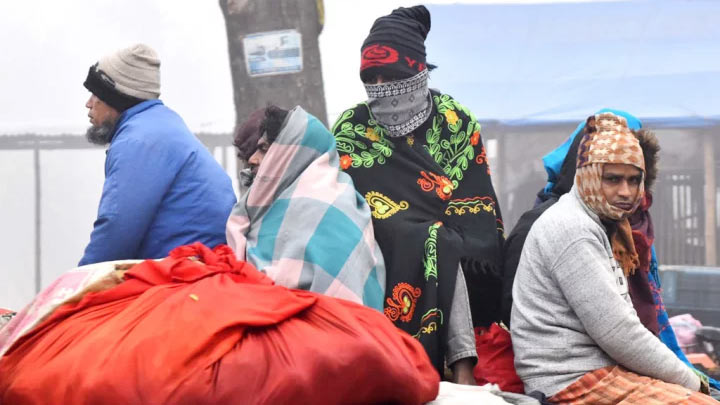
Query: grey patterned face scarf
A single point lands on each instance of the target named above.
(400, 106)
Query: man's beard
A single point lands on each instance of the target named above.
(101, 134)
(247, 176)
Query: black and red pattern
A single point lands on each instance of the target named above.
(378, 55)
(405, 169)
(395, 46)
(402, 303)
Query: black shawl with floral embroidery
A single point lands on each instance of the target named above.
(433, 207)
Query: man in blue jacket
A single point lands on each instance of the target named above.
(162, 187)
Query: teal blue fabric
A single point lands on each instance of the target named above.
(667, 334)
(269, 229)
(333, 241)
(302, 221)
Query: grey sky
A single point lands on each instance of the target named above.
(47, 47)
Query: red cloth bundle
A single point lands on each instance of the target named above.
(496, 359)
(180, 331)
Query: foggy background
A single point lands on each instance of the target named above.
(46, 48)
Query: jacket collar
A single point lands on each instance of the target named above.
(136, 109)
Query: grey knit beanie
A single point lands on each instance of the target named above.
(133, 72)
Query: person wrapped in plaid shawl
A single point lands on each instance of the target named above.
(300, 219)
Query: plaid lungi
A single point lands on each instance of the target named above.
(616, 385)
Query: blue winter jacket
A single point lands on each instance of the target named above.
(162, 189)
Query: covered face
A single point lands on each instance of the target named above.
(394, 70)
(610, 167)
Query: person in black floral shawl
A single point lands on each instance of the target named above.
(416, 156)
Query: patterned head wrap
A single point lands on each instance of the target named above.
(607, 140)
(395, 46)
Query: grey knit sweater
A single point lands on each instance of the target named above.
(571, 310)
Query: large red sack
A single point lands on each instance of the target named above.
(496, 359)
(182, 332)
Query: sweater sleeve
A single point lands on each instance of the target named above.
(137, 177)
(590, 287)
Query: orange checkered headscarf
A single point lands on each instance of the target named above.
(607, 140)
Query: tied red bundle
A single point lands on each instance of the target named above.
(202, 327)
(496, 359)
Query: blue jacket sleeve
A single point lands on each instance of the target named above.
(137, 176)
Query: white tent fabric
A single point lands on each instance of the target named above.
(532, 63)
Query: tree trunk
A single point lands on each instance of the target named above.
(253, 90)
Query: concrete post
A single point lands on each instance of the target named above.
(710, 200)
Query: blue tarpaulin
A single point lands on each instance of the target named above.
(524, 64)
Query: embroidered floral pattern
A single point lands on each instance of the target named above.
(482, 158)
(473, 205)
(430, 259)
(348, 138)
(345, 161)
(402, 304)
(436, 168)
(500, 227)
(453, 154)
(371, 134)
(429, 322)
(451, 117)
(442, 185)
(381, 207)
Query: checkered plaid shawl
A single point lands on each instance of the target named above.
(618, 386)
(303, 223)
